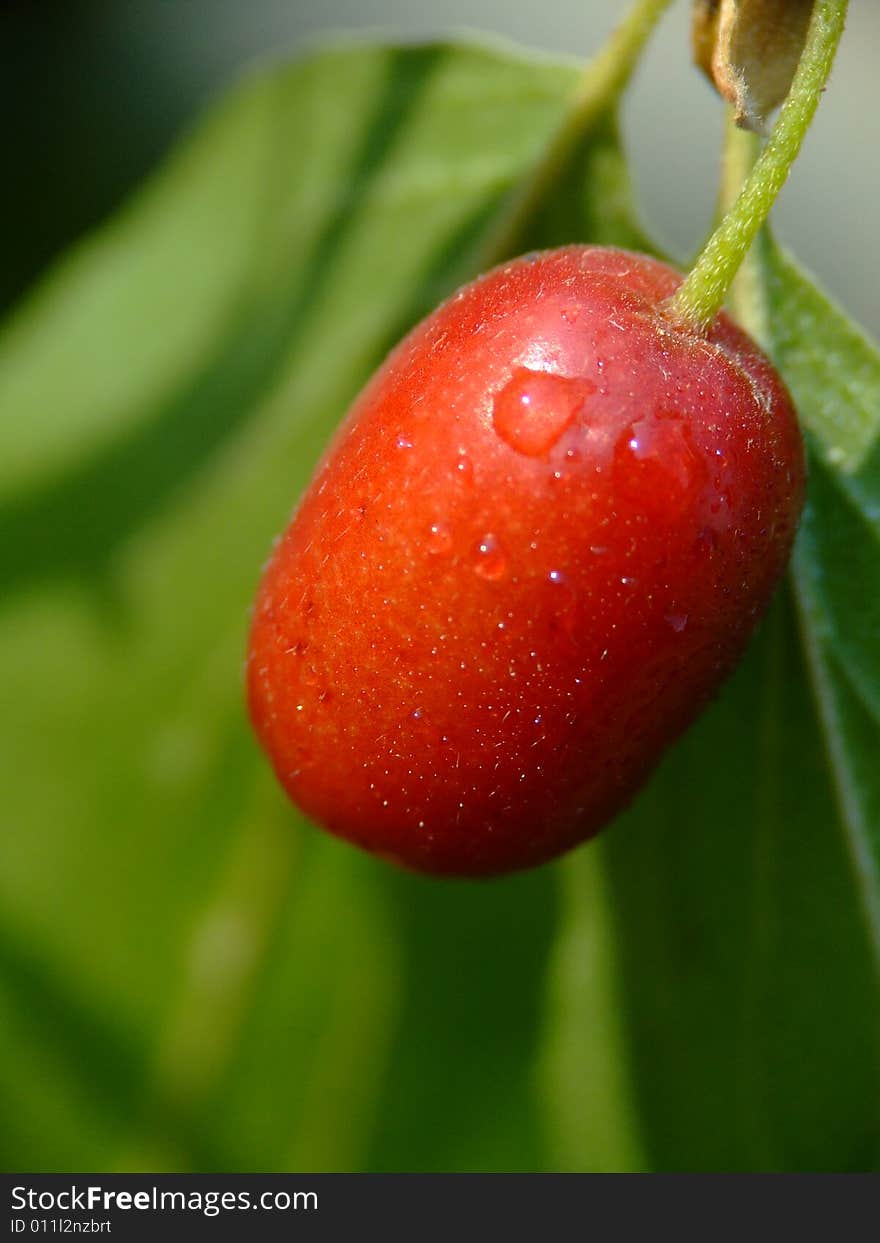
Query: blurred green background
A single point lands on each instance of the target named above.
(191, 978)
(92, 92)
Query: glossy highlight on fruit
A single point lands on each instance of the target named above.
(538, 543)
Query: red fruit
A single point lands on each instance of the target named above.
(538, 543)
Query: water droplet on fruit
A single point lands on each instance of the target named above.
(571, 314)
(491, 563)
(463, 466)
(535, 407)
(656, 464)
(403, 443)
(556, 576)
(677, 621)
(439, 540)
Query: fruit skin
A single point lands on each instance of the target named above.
(538, 543)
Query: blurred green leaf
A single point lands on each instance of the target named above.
(749, 987)
(196, 980)
(834, 374)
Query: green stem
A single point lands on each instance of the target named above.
(747, 301)
(702, 294)
(603, 80)
(741, 150)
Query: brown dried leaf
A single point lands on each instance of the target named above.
(750, 50)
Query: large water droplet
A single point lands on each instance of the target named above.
(535, 407)
(657, 464)
(491, 562)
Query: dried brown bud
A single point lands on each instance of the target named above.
(750, 49)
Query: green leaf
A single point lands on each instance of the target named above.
(591, 1116)
(834, 375)
(750, 990)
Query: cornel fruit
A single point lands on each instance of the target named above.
(539, 541)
